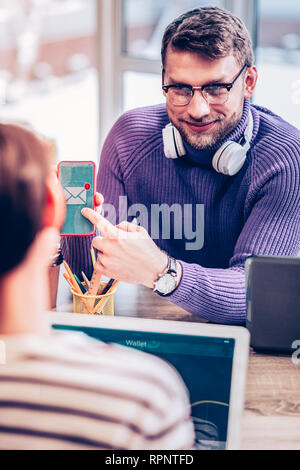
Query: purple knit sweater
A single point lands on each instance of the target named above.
(254, 212)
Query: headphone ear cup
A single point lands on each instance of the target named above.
(169, 150)
(178, 142)
(173, 145)
(229, 158)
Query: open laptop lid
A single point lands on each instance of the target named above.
(211, 359)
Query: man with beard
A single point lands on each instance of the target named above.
(236, 162)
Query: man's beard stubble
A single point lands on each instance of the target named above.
(202, 142)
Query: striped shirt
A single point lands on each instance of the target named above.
(68, 391)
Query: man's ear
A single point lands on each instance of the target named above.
(250, 81)
(55, 207)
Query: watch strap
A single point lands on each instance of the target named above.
(170, 270)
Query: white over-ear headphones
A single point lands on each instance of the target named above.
(228, 159)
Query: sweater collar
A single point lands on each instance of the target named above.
(204, 157)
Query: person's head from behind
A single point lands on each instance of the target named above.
(207, 46)
(31, 206)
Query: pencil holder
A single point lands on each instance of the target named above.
(94, 304)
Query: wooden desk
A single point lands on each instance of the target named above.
(272, 404)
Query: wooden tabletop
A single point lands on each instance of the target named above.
(272, 403)
(271, 417)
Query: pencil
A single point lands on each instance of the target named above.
(68, 279)
(73, 280)
(93, 256)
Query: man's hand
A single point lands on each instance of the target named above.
(126, 251)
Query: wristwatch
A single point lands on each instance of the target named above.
(166, 282)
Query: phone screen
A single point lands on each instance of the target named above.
(78, 183)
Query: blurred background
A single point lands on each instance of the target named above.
(69, 68)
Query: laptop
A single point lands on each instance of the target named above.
(273, 303)
(211, 359)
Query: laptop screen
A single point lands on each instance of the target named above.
(205, 365)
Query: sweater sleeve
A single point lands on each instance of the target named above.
(272, 227)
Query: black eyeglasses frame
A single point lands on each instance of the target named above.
(228, 86)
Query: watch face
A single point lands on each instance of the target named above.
(166, 283)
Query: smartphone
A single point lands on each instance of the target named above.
(78, 183)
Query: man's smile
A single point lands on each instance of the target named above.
(201, 126)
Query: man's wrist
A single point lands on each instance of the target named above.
(160, 266)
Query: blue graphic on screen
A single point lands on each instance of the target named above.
(204, 363)
(77, 180)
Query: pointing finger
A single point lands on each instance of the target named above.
(127, 226)
(104, 226)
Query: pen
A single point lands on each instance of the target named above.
(83, 290)
(107, 287)
(114, 285)
(111, 287)
(87, 282)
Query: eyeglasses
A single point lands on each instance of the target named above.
(181, 95)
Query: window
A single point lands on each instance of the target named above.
(48, 75)
(130, 37)
(143, 25)
(278, 58)
(71, 67)
(130, 60)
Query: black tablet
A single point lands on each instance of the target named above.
(273, 303)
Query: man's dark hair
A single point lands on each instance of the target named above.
(24, 167)
(211, 31)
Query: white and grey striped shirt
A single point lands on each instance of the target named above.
(68, 391)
